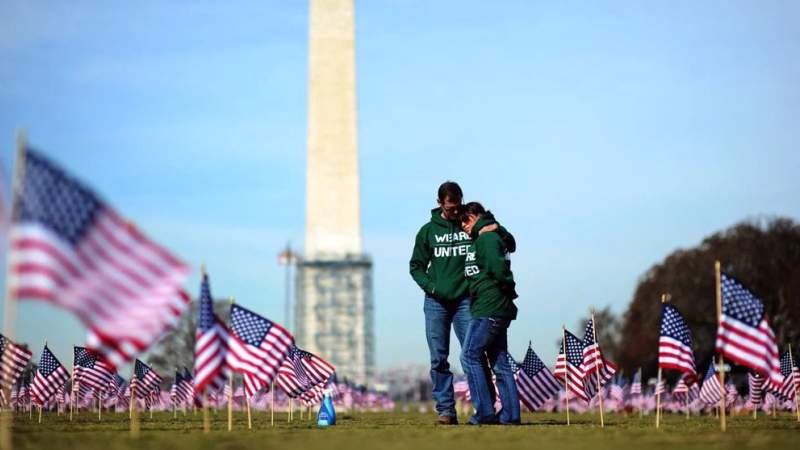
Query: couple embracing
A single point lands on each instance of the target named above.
(460, 261)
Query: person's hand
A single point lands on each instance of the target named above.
(488, 228)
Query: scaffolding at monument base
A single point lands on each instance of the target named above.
(334, 313)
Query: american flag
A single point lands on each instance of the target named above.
(675, 344)
(617, 389)
(594, 363)
(636, 384)
(89, 372)
(145, 380)
(681, 388)
(301, 371)
(13, 361)
(661, 387)
(256, 347)
(61, 395)
(731, 394)
(68, 248)
(568, 369)
(211, 345)
(755, 383)
(173, 390)
(709, 392)
(535, 383)
(50, 376)
(744, 335)
(188, 387)
(791, 377)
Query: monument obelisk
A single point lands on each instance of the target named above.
(333, 308)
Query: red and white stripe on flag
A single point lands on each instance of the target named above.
(753, 347)
(571, 376)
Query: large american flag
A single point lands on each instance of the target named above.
(50, 376)
(13, 361)
(791, 377)
(211, 345)
(535, 383)
(89, 372)
(710, 391)
(568, 369)
(744, 335)
(256, 347)
(68, 248)
(594, 365)
(301, 371)
(675, 344)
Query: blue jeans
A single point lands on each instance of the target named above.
(487, 338)
(439, 316)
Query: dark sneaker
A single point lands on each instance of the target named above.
(447, 420)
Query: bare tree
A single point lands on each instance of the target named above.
(176, 349)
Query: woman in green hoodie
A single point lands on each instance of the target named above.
(492, 292)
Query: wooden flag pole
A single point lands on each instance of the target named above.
(174, 406)
(230, 402)
(658, 400)
(72, 394)
(206, 419)
(134, 414)
(566, 367)
(249, 419)
(597, 369)
(664, 299)
(687, 405)
(99, 407)
(791, 368)
(272, 405)
(10, 305)
(717, 277)
(289, 414)
(230, 396)
(641, 397)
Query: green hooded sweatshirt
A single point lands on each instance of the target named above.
(491, 283)
(437, 262)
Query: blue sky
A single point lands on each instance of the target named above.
(603, 135)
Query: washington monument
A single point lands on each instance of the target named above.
(333, 312)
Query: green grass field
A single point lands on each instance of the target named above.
(404, 431)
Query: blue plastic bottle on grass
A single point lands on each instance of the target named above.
(327, 414)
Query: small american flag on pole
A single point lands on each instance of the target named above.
(744, 335)
(50, 376)
(569, 367)
(145, 379)
(594, 365)
(256, 347)
(755, 384)
(89, 372)
(636, 384)
(301, 371)
(68, 248)
(675, 344)
(791, 377)
(211, 344)
(710, 391)
(535, 383)
(13, 362)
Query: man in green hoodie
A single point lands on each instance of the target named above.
(437, 266)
